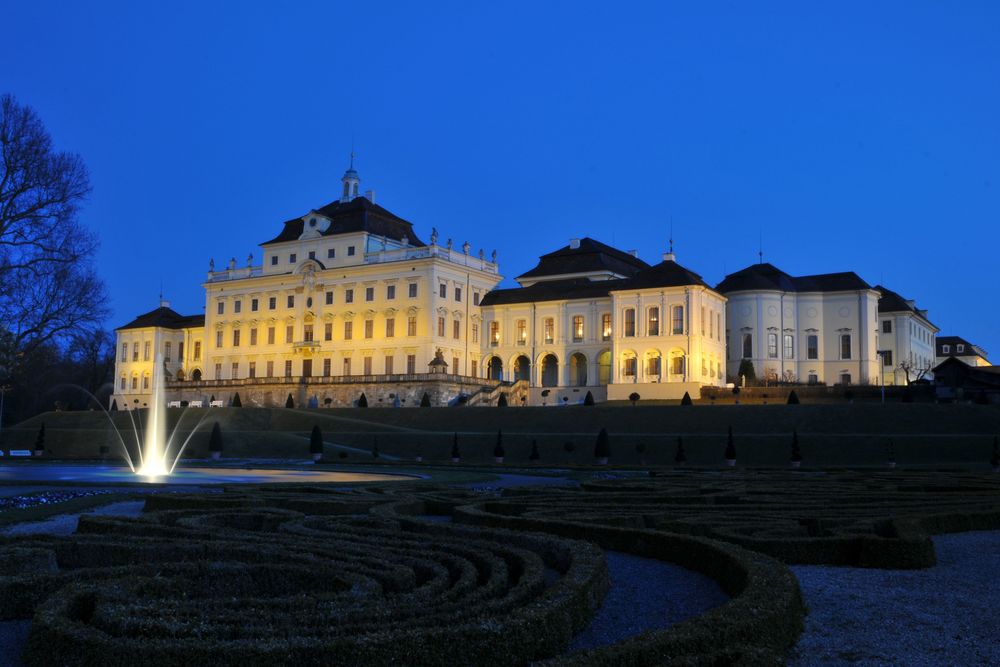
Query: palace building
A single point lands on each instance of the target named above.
(347, 301)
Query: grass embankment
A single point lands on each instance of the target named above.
(829, 435)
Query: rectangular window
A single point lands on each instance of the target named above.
(412, 287)
(475, 298)
(270, 335)
(577, 328)
(456, 329)
(887, 326)
(812, 346)
(367, 364)
(236, 337)
(458, 294)
(236, 370)
(124, 352)
(180, 351)
(845, 378)
(331, 253)
(454, 365)
(122, 385)
(789, 346)
(704, 366)
(289, 333)
(369, 294)
(252, 369)
(388, 364)
(347, 366)
(390, 328)
(218, 339)
(328, 331)
(630, 322)
(475, 332)
(288, 368)
(494, 333)
(678, 319)
(369, 329)
(440, 326)
(443, 291)
(960, 348)
(272, 302)
(307, 367)
(711, 326)
(329, 298)
(350, 251)
(718, 326)
(653, 367)
(945, 349)
(312, 254)
(411, 325)
(747, 346)
(326, 367)
(548, 329)
(307, 332)
(653, 322)
(290, 301)
(145, 350)
(628, 368)
(292, 258)
(274, 260)
(270, 369)
(813, 378)
(845, 346)
(411, 364)
(166, 351)
(348, 330)
(886, 358)
(218, 371)
(703, 322)
(390, 292)
(606, 326)
(677, 365)
(522, 332)
(237, 306)
(197, 350)
(772, 345)
(348, 296)
(254, 305)
(220, 307)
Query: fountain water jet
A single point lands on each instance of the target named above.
(153, 455)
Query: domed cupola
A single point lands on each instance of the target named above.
(352, 183)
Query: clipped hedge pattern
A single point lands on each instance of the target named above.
(242, 578)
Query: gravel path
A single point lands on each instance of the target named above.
(65, 524)
(944, 615)
(646, 594)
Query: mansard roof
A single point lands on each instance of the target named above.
(665, 274)
(357, 215)
(165, 318)
(766, 276)
(590, 257)
(971, 349)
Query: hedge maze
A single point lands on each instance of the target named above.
(429, 575)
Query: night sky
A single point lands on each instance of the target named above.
(856, 137)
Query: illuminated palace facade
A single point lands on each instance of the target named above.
(348, 300)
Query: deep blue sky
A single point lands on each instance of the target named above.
(860, 136)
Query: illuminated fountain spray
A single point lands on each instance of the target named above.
(153, 456)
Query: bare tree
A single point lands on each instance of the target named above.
(49, 291)
(909, 367)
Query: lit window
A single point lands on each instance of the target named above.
(307, 332)
(236, 370)
(653, 322)
(548, 329)
(789, 346)
(577, 328)
(772, 345)
(606, 326)
(628, 367)
(522, 332)
(494, 333)
(677, 365)
(197, 350)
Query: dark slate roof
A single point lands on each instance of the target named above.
(552, 290)
(766, 276)
(971, 350)
(667, 273)
(165, 318)
(892, 302)
(664, 274)
(591, 257)
(357, 215)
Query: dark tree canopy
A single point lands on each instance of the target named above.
(316, 441)
(215, 440)
(49, 291)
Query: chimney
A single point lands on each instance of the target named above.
(634, 253)
(574, 244)
(370, 195)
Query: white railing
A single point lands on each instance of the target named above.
(453, 256)
(235, 273)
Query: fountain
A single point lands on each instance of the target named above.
(155, 448)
